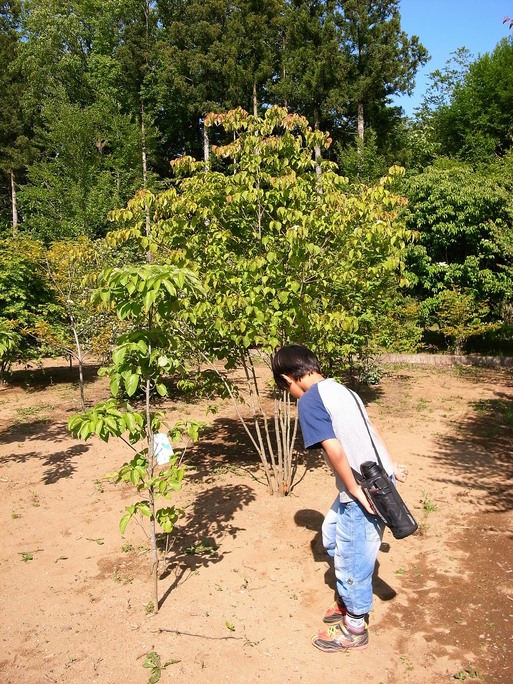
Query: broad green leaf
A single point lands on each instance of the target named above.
(131, 384)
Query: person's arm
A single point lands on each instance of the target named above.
(338, 459)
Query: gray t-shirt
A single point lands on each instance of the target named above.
(330, 410)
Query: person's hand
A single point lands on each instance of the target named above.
(400, 472)
(359, 495)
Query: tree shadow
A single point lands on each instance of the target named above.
(369, 393)
(479, 452)
(197, 541)
(312, 520)
(44, 429)
(226, 445)
(58, 464)
(36, 378)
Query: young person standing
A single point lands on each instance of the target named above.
(333, 417)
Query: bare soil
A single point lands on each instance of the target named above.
(245, 581)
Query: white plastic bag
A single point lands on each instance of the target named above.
(162, 448)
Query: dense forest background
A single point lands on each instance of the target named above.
(97, 97)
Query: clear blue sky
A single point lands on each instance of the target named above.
(443, 26)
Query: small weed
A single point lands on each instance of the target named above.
(98, 485)
(204, 548)
(469, 673)
(219, 470)
(149, 608)
(126, 548)
(15, 515)
(35, 500)
(400, 571)
(225, 469)
(408, 665)
(428, 505)
(499, 409)
(422, 405)
(25, 412)
(230, 626)
(122, 579)
(154, 663)
(26, 556)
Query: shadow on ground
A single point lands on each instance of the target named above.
(312, 520)
(35, 378)
(59, 464)
(479, 452)
(225, 445)
(196, 542)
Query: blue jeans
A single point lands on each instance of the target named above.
(352, 538)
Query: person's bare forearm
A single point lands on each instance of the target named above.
(338, 460)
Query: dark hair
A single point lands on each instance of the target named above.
(294, 360)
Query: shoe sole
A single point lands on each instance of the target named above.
(338, 648)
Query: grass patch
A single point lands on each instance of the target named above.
(500, 410)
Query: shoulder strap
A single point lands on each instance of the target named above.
(367, 427)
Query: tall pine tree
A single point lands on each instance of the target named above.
(382, 60)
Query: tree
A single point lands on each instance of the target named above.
(71, 267)
(458, 317)
(284, 255)
(82, 171)
(14, 126)
(473, 121)
(149, 296)
(85, 92)
(215, 55)
(382, 60)
(312, 73)
(462, 217)
(26, 297)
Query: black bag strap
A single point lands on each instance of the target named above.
(378, 459)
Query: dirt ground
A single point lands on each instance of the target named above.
(245, 582)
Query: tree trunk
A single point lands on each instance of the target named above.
(255, 100)
(317, 149)
(284, 74)
(14, 205)
(80, 358)
(276, 451)
(206, 147)
(151, 494)
(361, 121)
(144, 161)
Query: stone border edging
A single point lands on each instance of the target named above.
(449, 360)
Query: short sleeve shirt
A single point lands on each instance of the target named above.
(329, 410)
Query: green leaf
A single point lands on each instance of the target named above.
(124, 522)
(131, 384)
(161, 389)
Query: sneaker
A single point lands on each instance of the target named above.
(340, 638)
(334, 614)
